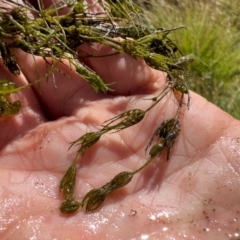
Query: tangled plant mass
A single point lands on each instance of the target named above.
(45, 33)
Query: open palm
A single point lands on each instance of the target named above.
(195, 195)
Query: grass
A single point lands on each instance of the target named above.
(212, 34)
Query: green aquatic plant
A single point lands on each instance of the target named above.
(167, 133)
(6, 107)
(56, 39)
(67, 183)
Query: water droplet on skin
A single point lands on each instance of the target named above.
(93, 227)
(159, 216)
(236, 234)
(152, 217)
(144, 236)
(165, 229)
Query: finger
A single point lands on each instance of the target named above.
(126, 75)
(61, 91)
(29, 116)
(64, 91)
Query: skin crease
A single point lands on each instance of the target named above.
(196, 195)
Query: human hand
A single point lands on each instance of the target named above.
(195, 194)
